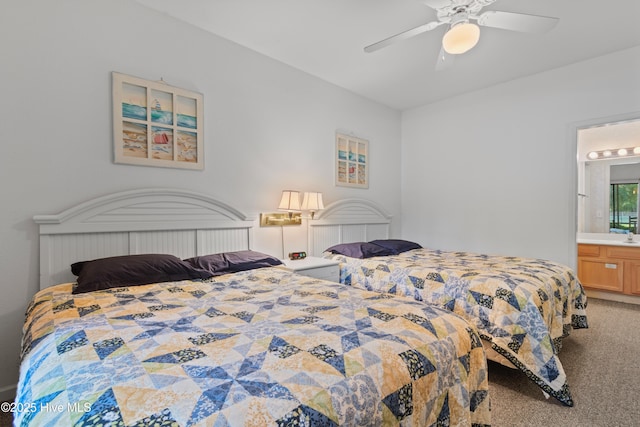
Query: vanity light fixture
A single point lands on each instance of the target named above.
(620, 152)
(312, 202)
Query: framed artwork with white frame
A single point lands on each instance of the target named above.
(156, 124)
(352, 161)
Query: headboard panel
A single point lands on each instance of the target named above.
(346, 221)
(155, 220)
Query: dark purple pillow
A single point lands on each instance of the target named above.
(397, 245)
(76, 267)
(248, 260)
(215, 264)
(133, 270)
(230, 262)
(359, 250)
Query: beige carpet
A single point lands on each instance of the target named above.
(603, 368)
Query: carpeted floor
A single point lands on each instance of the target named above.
(603, 372)
(601, 366)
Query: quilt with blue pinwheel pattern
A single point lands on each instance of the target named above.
(523, 307)
(257, 348)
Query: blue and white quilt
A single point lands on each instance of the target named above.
(263, 347)
(523, 307)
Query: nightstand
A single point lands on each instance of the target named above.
(319, 268)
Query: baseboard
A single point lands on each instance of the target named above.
(8, 393)
(610, 296)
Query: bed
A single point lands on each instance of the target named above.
(225, 344)
(523, 308)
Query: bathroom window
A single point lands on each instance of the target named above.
(623, 207)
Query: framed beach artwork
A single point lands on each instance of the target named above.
(156, 124)
(352, 161)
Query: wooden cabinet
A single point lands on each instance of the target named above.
(634, 277)
(609, 268)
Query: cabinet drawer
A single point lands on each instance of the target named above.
(601, 274)
(588, 250)
(330, 272)
(623, 252)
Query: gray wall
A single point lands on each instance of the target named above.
(494, 171)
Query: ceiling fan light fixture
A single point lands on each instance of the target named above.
(461, 38)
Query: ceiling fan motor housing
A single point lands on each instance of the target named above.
(459, 17)
(469, 7)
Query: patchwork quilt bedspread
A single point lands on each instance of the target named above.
(522, 306)
(255, 348)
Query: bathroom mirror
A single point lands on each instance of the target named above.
(608, 176)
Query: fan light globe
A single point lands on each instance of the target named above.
(460, 38)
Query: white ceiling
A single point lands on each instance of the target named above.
(325, 38)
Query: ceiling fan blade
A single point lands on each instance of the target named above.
(402, 36)
(436, 4)
(445, 60)
(517, 21)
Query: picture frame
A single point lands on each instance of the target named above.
(156, 124)
(352, 161)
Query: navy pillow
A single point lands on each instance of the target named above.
(133, 270)
(230, 262)
(359, 250)
(397, 245)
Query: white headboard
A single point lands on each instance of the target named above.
(346, 221)
(154, 220)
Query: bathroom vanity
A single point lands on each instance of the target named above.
(609, 263)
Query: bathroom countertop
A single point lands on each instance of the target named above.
(607, 239)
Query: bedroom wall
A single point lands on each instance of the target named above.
(268, 127)
(494, 171)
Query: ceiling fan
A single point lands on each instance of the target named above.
(463, 34)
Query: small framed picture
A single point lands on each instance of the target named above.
(352, 161)
(156, 124)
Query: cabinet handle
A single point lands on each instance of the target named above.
(612, 266)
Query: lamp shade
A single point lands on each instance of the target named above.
(460, 38)
(290, 201)
(312, 201)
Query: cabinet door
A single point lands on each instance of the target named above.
(633, 270)
(601, 274)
